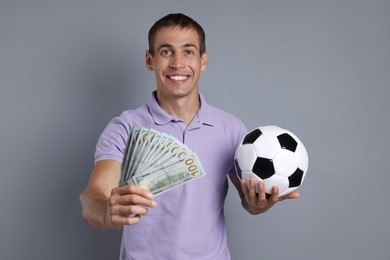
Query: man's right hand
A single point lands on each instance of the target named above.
(107, 205)
(127, 204)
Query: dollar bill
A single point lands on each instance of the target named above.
(146, 138)
(139, 139)
(158, 161)
(167, 177)
(170, 153)
(128, 153)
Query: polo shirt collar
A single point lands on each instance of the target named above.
(161, 117)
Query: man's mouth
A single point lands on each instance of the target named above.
(178, 77)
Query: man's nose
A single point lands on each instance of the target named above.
(177, 62)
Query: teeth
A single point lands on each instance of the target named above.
(178, 77)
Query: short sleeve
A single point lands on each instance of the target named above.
(112, 142)
(240, 134)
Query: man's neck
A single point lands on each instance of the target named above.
(183, 108)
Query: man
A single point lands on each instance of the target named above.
(188, 221)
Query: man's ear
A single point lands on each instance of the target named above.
(204, 61)
(149, 61)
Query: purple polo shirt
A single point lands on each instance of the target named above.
(188, 222)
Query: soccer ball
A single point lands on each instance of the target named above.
(273, 155)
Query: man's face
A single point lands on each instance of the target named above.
(176, 62)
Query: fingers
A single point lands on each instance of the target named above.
(127, 204)
(132, 195)
(118, 221)
(133, 189)
(292, 195)
(253, 196)
(274, 195)
(253, 191)
(245, 189)
(262, 195)
(257, 200)
(266, 201)
(128, 210)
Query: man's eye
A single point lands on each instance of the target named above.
(166, 52)
(189, 52)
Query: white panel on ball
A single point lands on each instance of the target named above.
(276, 180)
(266, 146)
(246, 157)
(285, 163)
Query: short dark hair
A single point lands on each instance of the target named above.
(180, 20)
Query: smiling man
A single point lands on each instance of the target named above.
(176, 57)
(187, 222)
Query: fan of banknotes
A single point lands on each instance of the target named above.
(158, 161)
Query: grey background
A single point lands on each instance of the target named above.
(318, 68)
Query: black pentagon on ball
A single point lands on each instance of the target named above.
(263, 167)
(251, 137)
(295, 179)
(287, 142)
(238, 169)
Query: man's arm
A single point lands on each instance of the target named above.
(107, 205)
(258, 203)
